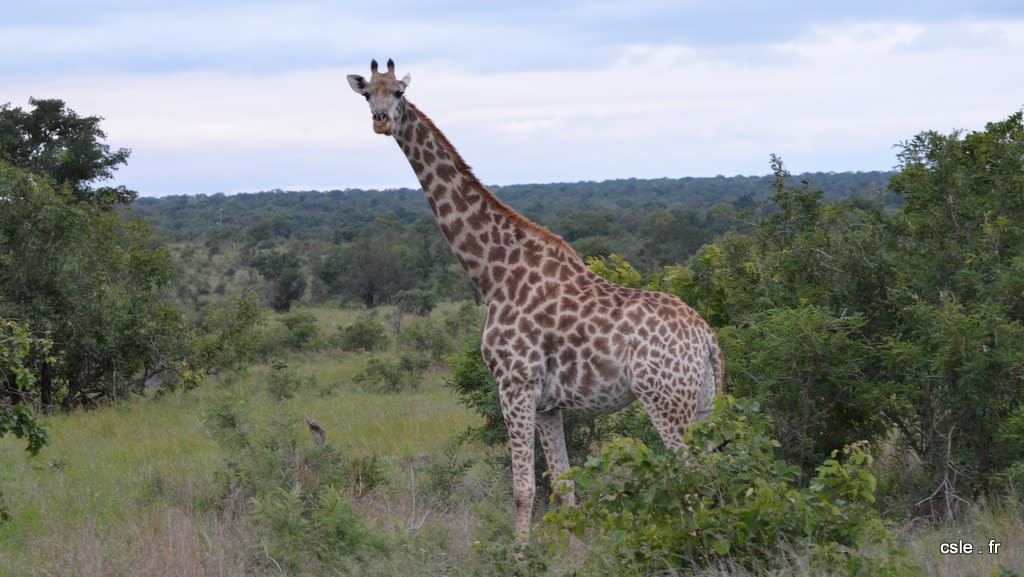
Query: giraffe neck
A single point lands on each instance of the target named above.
(490, 239)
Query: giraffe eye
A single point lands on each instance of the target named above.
(398, 93)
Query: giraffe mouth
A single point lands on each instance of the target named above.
(384, 127)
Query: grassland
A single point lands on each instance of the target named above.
(139, 488)
(136, 489)
(149, 487)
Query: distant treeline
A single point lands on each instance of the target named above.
(324, 213)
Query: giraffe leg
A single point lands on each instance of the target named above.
(670, 414)
(519, 411)
(552, 440)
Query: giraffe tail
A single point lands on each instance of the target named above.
(713, 379)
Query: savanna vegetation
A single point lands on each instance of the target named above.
(288, 383)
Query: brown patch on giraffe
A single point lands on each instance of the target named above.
(545, 320)
(514, 281)
(422, 133)
(452, 229)
(445, 172)
(520, 346)
(514, 256)
(602, 325)
(443, 210)
(577, 337)
(532, 254)
(470, 245)
(476, 220)
(551, 292)
(570, 305)
(606, 367)
(552, 342)
(550, 268)
(497, 271)
(507, 316)
(566, 323)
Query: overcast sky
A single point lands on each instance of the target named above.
(249, 95)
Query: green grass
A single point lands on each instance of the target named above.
(139, 489)
(137, 485)
(96, 483)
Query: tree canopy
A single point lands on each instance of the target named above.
(54, 141)
(80, 274)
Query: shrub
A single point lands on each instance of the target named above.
(417, 302)
(809, 368)
(302, 330)
(283, 383)
(735, 503)
(229, 339)
(300, 531)
(423, 337)
(387, 376)
(366, 334)
(299, 499)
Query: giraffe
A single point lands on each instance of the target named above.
(558, 337)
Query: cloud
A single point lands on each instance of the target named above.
(834, 97)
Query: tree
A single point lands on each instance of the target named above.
(963, 209)
(86, 278)
(669, 237)
(284, 272)
(17, 344)
(369, 271)
(955, 354)
(52, 140)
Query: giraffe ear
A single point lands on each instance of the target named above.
(358, 83)
(406, 80)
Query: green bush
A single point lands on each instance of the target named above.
(808, 367)
(423, 337)
(283, 383)
(735, 503)
(386, 376)
(302, 330)
(302, 531)
(417, 302)
(228, 335)
(366, 334)
(299, 494)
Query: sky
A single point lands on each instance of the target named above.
(232, 96)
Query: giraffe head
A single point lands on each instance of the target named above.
(384, 92)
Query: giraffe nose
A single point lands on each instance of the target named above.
(380, 116)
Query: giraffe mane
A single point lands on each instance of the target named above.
(460, 165)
